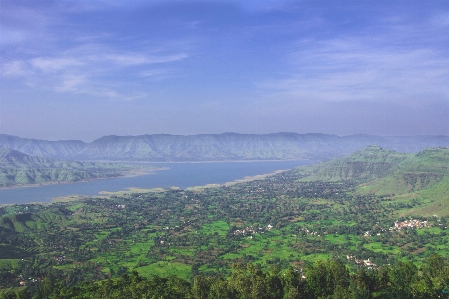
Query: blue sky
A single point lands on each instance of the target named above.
(84, 69)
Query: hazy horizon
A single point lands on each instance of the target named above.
(80, 70)
(310, 133)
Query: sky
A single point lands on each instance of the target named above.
(85, 69)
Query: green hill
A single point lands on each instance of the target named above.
(17, 169)
(26, 222)
(416, 172)
(422, 178)
(18, 231)
(367, 164)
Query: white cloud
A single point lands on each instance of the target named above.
(131, 59)
(115, 95)
(126, 60)
(87, 69)
(159, 74)
(56, 63)
(71, 83)
(14, 68)
(355, 69)
(44, 46)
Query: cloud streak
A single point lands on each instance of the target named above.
(78, 71)
(361, 68)
(43, 48)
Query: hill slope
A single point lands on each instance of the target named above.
(42, 148)
(417, 172)
(368, 164)
(421, 178)
(17, 168)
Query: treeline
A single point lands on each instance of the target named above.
(326, 279)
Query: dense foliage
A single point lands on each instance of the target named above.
(327, 279)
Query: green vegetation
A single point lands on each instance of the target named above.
(326, 279)
(292, 221)
(18, 169)
(420, 180)
(368, 164)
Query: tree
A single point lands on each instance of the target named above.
(402, 275)
(220, 289)
(326, 276)
(201, 286)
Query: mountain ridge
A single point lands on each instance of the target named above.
(217, 147)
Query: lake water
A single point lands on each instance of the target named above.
(182, 175)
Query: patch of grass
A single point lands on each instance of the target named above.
(180, 251)
(164, 269)
(314, 257)
(220, 227)
(340, 239)
(379, 247)
(141, 247)
(8, 264)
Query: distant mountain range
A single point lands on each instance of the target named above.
(217, 147)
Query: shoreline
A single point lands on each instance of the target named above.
(257, 177)
(143, 171)
(108, 194)
(206, 161)
(128, 173)
(137, 172)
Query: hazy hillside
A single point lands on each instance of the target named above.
(422, 178)
(416, 172)
(42, 148)
(221, 147)
(17, 168)
(367, 164)
(12, 158)
(217, 147)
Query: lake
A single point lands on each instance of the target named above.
(182, 175)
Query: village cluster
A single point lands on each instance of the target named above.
(23, 281)
(59, 259)
(411, 223)
(312, 233)
(251, 230)
(399, 225)
(367, 263)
